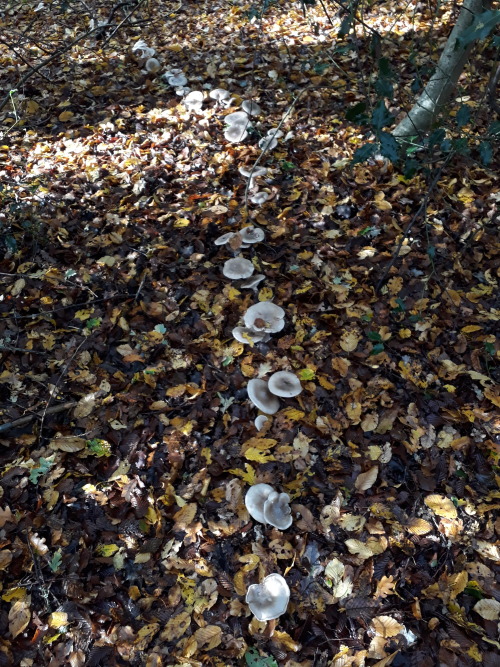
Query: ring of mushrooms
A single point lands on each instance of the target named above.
(269, 599)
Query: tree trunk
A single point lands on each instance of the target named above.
(440, 87)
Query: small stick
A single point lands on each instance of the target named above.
(27, 418)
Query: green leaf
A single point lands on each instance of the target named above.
(436, 137)
(345, 26)
(377, 349)
(43, 467)
(463, 115)
(254, 659)
(363, 153)
(384, 87)
(389, 147)
(481, 26)
(486, 152)
(385, 69)
(98, 447)
(356, 114)
(381, 116)
(56, 561)
(494, 128)
(374, 335)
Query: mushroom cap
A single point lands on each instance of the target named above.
(243, 335)
(236, 133)
(237, 117)
(269, 599)
(152, 65)
(253, 281)
(284, 383)
(273, 132)
(267, 143)
(265, 316)
(251, 108)
(261, 397)
(194, 99)
(260, 421)
(238, 268)
(219, 94)
(177, 80)
(252, 234)
(225, 238)
(142, 50)
(255, 499)
(259, 198)
(277, 510)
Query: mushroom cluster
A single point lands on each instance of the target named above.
(239, 123)
(265, 395)
(144, 55)
(266, 505)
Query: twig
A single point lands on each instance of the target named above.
(27, 418)
(421, 209)
(62, 374)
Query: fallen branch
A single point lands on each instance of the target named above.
(36, 415)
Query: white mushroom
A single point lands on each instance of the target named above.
(251, 108)
(252, 174)
(284, 383)
(265, 316)
(244, 335)
(267, 143)
(152, 65)
(237, 117)
(219, 94)
(225, 238)
(277, 510)
(269, 599)
(177, 80)
(236, 133)
(193, 101)
(255, 498)
(259, 198)
(277, 134)
(252, 234)
(253, 281)
(238, 268)
(260, 421)
(261, 397)
(142, 51)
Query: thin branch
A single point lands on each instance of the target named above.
(22, 421)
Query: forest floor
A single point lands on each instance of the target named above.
(127, 440)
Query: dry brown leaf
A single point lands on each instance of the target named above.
(19, 615)
(176, 626)
(441, 505)
(418, 526)
(85, 406)
(184, 517)
(366, 480)
(70, 443)
(208, 637)
(385, 587)
(489, 609)
(5, 516)
(386, 626)
(349, 341)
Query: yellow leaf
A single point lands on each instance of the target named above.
(370, 422)
(325, 383)
(106, 550)
(253, 454)
(404, 333)
(259, 443)
(471, 328)
(184, 517)
(306, 374)
(442, 506)
(64, 116)
(248, 476)
(182, 222)
(32, 107)
(58, 619)
(83, 315)
(458, 583)
(265, 294)
(233, 293)
(16, 593)
(293, 414)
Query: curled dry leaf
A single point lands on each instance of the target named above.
(366, 480)
(418, 526)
